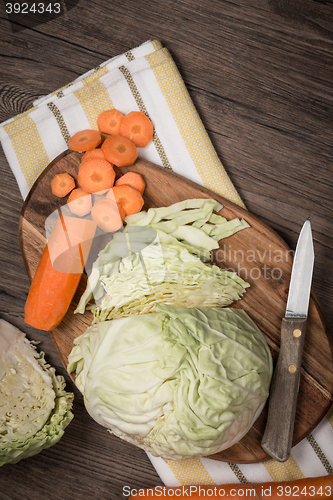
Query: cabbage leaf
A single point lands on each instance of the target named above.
(180, 382)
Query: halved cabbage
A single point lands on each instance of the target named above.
(34, 407)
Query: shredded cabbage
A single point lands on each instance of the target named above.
(34, 407)
(180, 382)
(159, 258)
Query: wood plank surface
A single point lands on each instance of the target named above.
(260, 74)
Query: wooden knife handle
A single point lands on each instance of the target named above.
(277, 438)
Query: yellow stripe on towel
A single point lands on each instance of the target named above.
(190, 471)
(190, 126)
(28, 146)
(286, 471)
(94, 97)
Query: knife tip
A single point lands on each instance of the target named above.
(307, 222)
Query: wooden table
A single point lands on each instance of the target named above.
(260, 74)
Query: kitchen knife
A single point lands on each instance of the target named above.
(277, 438)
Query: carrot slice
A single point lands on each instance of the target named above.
(109, 121)
(127, 197)
(85, 140)
(96, 175)
(79, 202)
(137, 127)
(133, 179)
(108, 215)
(93, 153)
(59, 272)
(62, 184)
(119, 150)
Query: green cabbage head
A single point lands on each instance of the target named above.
(179, 382)
(34, 407)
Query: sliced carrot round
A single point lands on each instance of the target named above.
(127, 197)
(85, 140)
(79, 202)
(108, 215)
(96, 175)
(109, 121)
(137, 127)
(133, 179)
(62, 184)
(93, 153)
(119, 150)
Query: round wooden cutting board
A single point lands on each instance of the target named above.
(257, 254)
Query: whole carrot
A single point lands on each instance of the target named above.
(316, 488)
(59, 272)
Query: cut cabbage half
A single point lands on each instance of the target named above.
(34, 407)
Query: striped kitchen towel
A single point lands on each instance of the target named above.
(147, 79)
(312, 457)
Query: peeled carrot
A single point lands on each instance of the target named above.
(109, 121)
(59, 272)
(79, 202)
(316, 488)
(119, 150)
(93, 153)
(137, 127)
(62, 184)
(108, 215)
(69, 243)
(133, 179)
(127, 197)
(96, 175)
(85, 140)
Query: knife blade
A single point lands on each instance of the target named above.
(277, 438)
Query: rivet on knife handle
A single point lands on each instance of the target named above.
(278, 435)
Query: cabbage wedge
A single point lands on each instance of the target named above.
(161, 257)
(34, 406)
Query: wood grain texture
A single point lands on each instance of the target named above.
(260, 74)
(257, 254)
